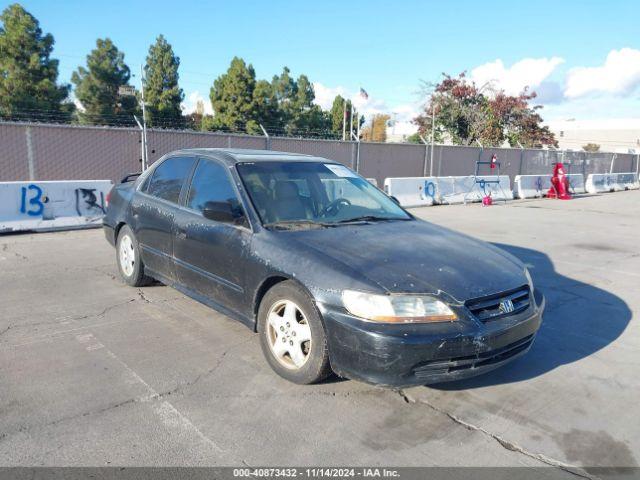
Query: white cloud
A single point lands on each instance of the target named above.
(325, 95)
(402, 113)
(619, 75)
(191, 102)
(528, 72)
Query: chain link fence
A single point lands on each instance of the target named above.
(32, 151)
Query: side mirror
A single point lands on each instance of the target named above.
(219, 212)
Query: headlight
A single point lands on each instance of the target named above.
(397, 308)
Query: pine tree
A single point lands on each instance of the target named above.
(162, 93)
(336, 114)
(98, 85)
(232, 99)
(28, 76)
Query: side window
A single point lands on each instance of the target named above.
(169, 177)
(211, 183)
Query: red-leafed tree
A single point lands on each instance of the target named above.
(468, 113)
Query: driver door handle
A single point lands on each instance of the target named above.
(182, 234)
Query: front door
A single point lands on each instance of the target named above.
(210, 256)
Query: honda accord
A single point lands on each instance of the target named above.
(330, 272)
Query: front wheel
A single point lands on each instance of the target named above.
(292, 335)
(128, 259)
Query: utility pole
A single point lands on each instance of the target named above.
(145, 158)
(358, 124)
(344, 118)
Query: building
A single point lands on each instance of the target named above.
(612, 135)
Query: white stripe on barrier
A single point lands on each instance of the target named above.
(412, 191)
(612, 182)
(52, 205)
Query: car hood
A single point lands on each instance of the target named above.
(417, 257)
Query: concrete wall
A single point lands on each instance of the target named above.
(62, 152)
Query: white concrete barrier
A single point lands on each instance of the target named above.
(453, 190)
(531, 186)
(576, 183)
(412, 191)
(425, 191)
(627, 181)
(52, 205)
(537, 186)
(612, 182)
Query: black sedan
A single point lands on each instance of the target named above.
(332, 273)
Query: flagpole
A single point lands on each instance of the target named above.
(351, 122)
(344, 118)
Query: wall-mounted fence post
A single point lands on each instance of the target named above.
(143, 149)
(357, 162)
(30, 162)
(521, 158)
(267, 138)
(613, 161)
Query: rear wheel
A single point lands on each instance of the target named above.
(292, 335)
(128, 259)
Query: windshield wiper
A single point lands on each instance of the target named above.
(369, 218)
(293, 224)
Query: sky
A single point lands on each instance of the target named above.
(582, 57)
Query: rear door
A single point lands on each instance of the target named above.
(212, 257)
(153, 210)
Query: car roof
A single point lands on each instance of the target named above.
(239, 155)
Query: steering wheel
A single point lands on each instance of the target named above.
(334, 207)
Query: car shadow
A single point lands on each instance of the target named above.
(579, 320)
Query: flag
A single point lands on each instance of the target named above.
(364, 94)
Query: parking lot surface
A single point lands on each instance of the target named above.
(93, 372)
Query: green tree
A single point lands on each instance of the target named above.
(232, 99)
(265, 105)
(305, 116)
(377, 131)
(98, 85)
(591, 147)
(336, 113)
(161, 91)
(468, 114)
(28, 75)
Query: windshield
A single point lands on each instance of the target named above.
(314, 193)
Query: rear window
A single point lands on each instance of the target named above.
(169, 177)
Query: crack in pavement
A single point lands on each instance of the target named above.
(503, 442)
(180, 387)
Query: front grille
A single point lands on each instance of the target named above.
(440, 367)
(490, 308)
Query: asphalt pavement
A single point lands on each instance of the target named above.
(94, 373)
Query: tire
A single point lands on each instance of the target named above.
(129, 260)
(283, 341)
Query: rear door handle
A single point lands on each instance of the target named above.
(182, 234)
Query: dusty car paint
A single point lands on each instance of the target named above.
(230, 267)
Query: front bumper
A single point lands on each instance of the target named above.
(420, 354)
